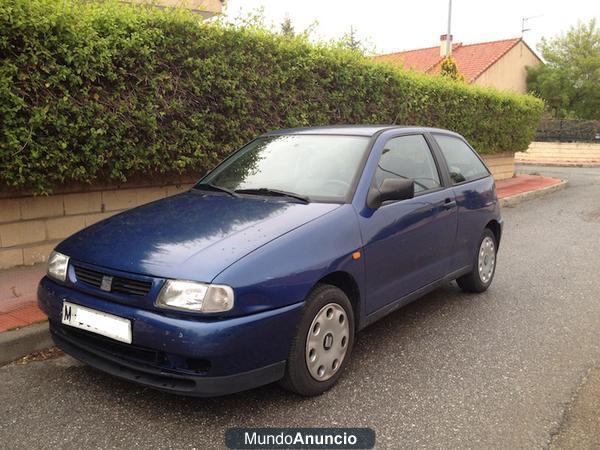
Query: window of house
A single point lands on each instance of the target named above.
(408, 157)
(463, 163)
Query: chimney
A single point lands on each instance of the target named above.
(444, 45)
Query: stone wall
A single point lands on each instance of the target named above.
(30, 227)
(561, 154)
(502, 165)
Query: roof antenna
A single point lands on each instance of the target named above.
(524, 21)
(396, 119)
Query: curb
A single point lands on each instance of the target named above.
(17, 343)
(518, 198)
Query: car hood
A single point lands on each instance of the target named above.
(191, 236)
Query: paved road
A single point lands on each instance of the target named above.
(451, 370)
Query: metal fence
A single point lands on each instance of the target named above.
(568, 130)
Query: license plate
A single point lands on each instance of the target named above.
(98, 322)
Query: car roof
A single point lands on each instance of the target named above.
(355, 130)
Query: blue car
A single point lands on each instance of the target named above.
(265, 270)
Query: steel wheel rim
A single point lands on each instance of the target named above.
(327, 342)
(486, 260)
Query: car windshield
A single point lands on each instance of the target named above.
(318, 167)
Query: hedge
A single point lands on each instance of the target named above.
(105, 91)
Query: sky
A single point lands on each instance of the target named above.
(395, 25)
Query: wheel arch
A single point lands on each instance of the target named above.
(346, 282)
(495, 227)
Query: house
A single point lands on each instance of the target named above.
(498, 64)
(206, 8)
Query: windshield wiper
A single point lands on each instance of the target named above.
(214, 187)
(273, 192)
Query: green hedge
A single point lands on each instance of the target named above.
(104, 91)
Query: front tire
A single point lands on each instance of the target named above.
(323, 343)
(484, 265)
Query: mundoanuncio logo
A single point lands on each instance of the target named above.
(309, 438)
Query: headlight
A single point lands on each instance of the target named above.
(57, 266)
(193, 296)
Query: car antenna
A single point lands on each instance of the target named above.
(396, 119)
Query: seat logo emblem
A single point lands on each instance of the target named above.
(106, 284)
(328, 341)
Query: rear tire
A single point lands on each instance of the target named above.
(484, 265)
(323, 343)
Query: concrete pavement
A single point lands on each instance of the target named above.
(503, 369)
(580, 427)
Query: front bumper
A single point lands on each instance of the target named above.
(180, 355)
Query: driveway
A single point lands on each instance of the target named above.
(502, 369)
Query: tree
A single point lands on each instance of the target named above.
(287, 29)
(569, 82)
(255, 20)
(450, 69)
(352, 41)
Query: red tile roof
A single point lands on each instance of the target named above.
(472, 60)
(422, 60)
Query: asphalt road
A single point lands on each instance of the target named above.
(499, 369)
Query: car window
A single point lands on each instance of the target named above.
(463, 163)
(408, 157)
(315, 166)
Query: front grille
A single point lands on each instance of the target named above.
(121, 285)
(129, 286)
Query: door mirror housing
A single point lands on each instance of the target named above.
(391, 189)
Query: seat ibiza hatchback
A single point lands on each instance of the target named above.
(267, 267)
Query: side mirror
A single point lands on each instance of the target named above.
(391, 189)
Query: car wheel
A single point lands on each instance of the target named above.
(321, 348)
(484, 266)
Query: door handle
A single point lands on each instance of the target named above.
(449, 204)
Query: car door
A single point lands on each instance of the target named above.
(474, 192)
(408, 243)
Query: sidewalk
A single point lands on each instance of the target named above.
(22, 325)
(18, 308)
(18, 297)
(522, 183)
(523, 187)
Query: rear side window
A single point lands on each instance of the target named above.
(408, 157)
(463, 163)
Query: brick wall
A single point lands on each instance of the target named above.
(30, 227)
